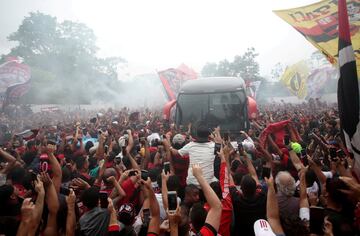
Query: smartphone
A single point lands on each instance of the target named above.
(217, 148)
(240, 147)
(65, 191)
(103, 196)
(167, 167)
(44, 162)
(235, 165)
(266, 172)
(304, 157)
(333, 154)
(106, 148)
(144, 174)
(132, 173)
(286, 140)
(317, 215)
(172, 201)
(146, 214)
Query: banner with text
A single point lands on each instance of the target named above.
(318, 23)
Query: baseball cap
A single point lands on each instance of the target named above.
(262, 228)
(178, 139)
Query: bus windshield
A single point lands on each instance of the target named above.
(227, 109)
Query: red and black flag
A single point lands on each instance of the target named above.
(172, 79)
(348, 85)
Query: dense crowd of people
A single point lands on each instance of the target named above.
(132, 173)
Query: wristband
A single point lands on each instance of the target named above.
(114, 227)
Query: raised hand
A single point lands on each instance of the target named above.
(79, 183)
(269, 181)
(70, 200)
(38, 185)
(27, 209)
(111, 179)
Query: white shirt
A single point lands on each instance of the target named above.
(202, 154)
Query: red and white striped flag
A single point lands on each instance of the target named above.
(348, 87)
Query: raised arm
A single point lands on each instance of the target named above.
(320, 175)
(251, 168)
(134, 164)
(272, 208)
(214, 214)
(114, 227)
(27, 210)
(295, 160)
(145, 162)
(266, 154)
(303, 195)
(118, 190)
(39, 206)
(75, 139)
(274, 145)
(56, 168)
(52, 204)
(224, 155)
(100, 150)
(164, 189)
(70, 218)
(130, 143)
(154, 225)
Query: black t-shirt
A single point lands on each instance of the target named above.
(247, 211)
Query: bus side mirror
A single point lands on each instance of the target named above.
(252, 108)
(167, 109)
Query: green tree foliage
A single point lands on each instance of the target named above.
(244, 66)
(63, 60)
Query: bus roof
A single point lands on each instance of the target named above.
(213, 85)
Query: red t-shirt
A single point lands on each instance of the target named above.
(129, 188)
(181, 166)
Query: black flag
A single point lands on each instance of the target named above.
(348, 85)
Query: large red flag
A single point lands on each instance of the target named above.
(172, 79)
